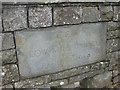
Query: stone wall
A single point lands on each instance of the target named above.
(27, 27)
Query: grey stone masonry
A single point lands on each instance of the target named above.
(85, 75)
(8, 56)
(61, 48)
(106, 13)
(14, 18)
(90, 14)
(117, 13)
(40, 16)
(67, 15)
(9, 74)
(98, 81)
(7, 41)
(113, 45)
(59, 44)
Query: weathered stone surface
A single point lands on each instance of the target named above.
(0, 24)
(79, 70)
(67, 15)
(113, 34)
(116, 79)
(56, 49)
(90, 14)
(34, 82)
(59, 82)
(113, 45)
(113, 57)
(0, 17)
(9, 74)
(1, 35)
(7, 41)
(117, 13)
(85, 75)
(40, 16)
(8, 56)
(53, 1)
(72, 86)
(5, 87)
(111, 26)
(115, 73)
(71, 72)
(98, 81)
(14, 18)
(106, 13)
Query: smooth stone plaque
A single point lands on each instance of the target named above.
(54, 49)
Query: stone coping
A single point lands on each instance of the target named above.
(57, 1)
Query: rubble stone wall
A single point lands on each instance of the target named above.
(17, 18)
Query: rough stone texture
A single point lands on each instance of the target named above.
(117, 13)
(106, 13)
(7, 41)
(5, 87)
(67, 15)
(73, 85)
(85, 75)
(57, 1)
(113, 45)
(14, 18)
(59, 82)
(71, 72)
(111, 26)
(98, 81)
(8, 56)
(82, 43)
(40, 16)
(116, 79)
(79, 70)
(33, 83)
(113, 34)
(9, 74)
(1, 35)
(0, 24)
(115, 73)
(90, 14)
(113, 57)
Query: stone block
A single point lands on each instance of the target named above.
(33, 82)
(59, 48)
(90, 14)
(9, 74)
(67, 15)
(106, 13)
(113, 45)
(116, 13)
(58, 83)
(99, 81)
(40, 16)
(112, 26)
(113, 34)
(116, 79)
(5, 87)
(85, 75)
(7, 41)
(14, 18)
(8, 56)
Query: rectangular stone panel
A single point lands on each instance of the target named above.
(54, 49)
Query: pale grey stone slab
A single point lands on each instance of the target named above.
(60, 48)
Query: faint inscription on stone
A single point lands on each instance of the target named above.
(59, 48)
